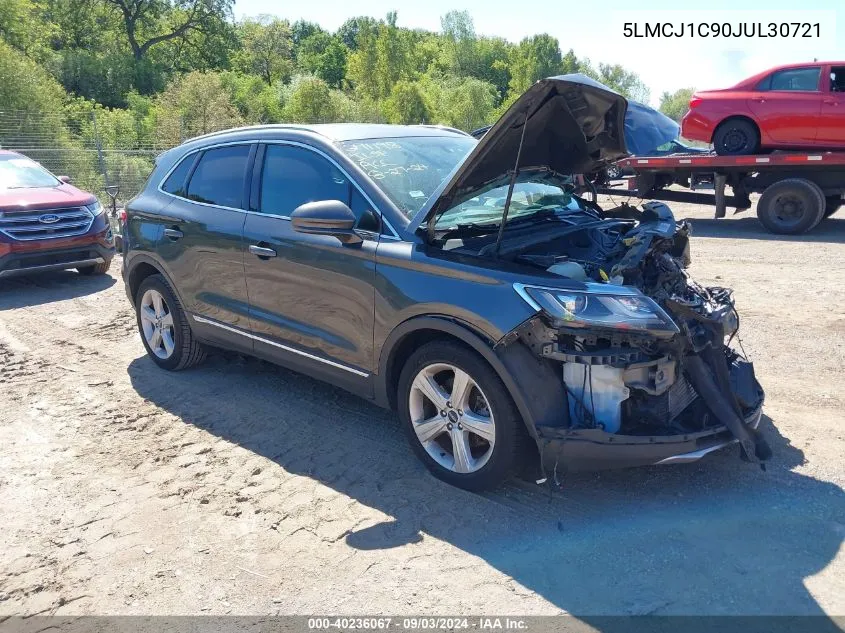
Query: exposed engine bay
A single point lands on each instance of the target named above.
(630, 367)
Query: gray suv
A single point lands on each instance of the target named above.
(507, 319)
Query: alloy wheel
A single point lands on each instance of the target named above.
(452, 418)
(157, 324)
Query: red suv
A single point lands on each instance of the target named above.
(800, 106)
(48, 224)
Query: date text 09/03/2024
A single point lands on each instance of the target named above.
(422, 623)
(761, 30)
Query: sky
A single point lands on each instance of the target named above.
(595, 30)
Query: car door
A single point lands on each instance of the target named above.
(832, 122)
(787, 105)
(203, 245)
(311, 297)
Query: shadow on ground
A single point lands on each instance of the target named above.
(32, 290)
(719, 537)
(748, 227)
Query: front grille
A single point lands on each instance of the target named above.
(46, 224)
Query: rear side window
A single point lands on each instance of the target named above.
(293, 176)
(175, 182)
(219, 177)
(793, 79)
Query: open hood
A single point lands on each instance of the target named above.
(571, 125)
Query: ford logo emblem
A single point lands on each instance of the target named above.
(48, 218)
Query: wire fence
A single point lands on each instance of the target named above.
(94, 148)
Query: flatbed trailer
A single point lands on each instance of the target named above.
(798, 189)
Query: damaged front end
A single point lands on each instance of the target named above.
(645, 352)
(628, 361)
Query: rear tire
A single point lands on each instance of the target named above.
(97, 269)
(181, 349)
(736, 137)
(791, 206)
(487, 457)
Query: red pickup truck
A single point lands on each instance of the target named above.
(48, 224)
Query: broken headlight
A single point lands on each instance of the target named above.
(625, 309)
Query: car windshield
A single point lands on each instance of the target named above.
(17, 172)
(534, 194)
(409, 169)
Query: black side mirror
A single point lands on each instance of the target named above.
(326, 217)
(65, 179)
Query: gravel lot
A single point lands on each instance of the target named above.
(243, 488)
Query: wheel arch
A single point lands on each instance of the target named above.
(141, 267)
(522, 373)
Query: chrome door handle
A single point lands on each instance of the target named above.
(173, 234)
(260, 251)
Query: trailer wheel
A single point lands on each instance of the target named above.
(832, 205)
(791, 206)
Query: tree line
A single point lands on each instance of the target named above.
(156, 72)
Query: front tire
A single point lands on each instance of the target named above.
(459, 418)
(97, 269)
(736, 137)
(791, 206)
(164, 327)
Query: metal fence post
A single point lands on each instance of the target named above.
(99, 145)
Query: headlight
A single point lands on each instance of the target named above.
(602, 307)
(95, 207)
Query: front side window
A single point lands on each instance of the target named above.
(293, 175)
(18, 172)
(793, 79)
(837, 79)
(219, 177)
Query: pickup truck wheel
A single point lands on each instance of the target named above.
(164, 326)
(459, 418)
(97, 269)
(791, 206)
(832, 204)
(736, 137)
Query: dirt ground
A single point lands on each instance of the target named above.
(243, 488)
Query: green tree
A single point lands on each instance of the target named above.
(31, 99)
(351, 28)
(459, 43)
(536, 57)
(148, 23)
(407, 104)
(383, 58)
(266, 45)
(194, 104)
(302, 30)
(675, 104)
(309, 100)
(492, 65)
(625, 82)
(331, 64)
(255, 100)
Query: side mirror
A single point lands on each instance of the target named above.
(65, 179)
(326, 217)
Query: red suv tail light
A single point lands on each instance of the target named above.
(695, 101)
